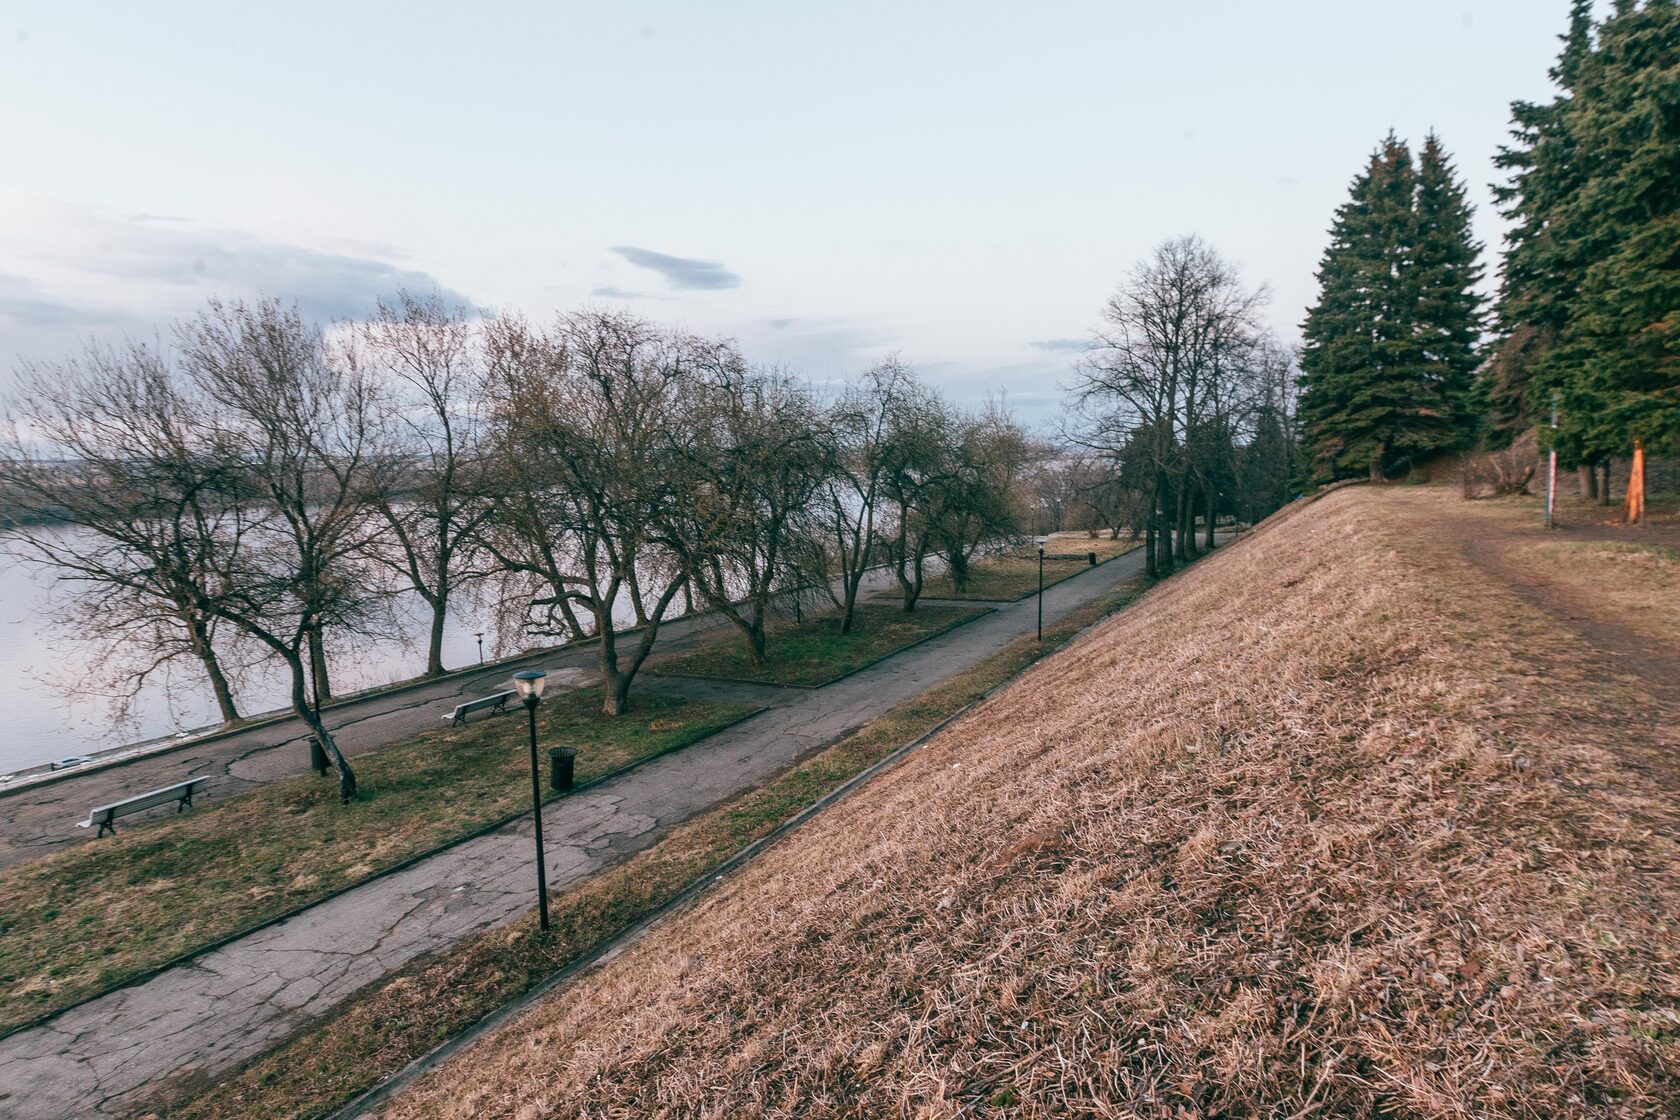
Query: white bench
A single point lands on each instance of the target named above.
(105, 816)
(495, 703)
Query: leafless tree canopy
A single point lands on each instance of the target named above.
(1180, 370)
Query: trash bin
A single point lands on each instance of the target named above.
(317, 756)
(1092, 557)
(561, 761)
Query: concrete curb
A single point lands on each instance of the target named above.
(360, 1105)
(402, 865)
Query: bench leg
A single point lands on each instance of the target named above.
(107, 826)
(185, 803)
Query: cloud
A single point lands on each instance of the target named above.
(607, 291)
(24, 303)
(681, 273)
(1054, 344)
(74, 271)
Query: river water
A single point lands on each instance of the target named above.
(51, 699)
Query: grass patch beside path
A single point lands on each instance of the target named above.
(1635, 584)
(422, 1005)
(82, 921)
(813, 653)
(1011, 575)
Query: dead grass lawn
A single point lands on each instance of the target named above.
(1337, 827)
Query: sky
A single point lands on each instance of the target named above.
(963, 184)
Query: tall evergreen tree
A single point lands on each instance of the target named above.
(1446, 270)
(1590, 295)
(1390, 344)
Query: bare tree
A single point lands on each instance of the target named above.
(299, 428)
(1169, 334)
(980, 499)
(117, 487)
(747, 460)
(585, 478)
(432, 442)
(862, 428)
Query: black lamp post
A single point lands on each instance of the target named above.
(529, 684)
(480, 637)
(1041, 542)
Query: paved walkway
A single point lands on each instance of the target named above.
(105, 1058)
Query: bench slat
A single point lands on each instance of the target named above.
(497, 700)
(104, 815)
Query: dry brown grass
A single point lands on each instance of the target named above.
(1355, 837)
(1638, 585)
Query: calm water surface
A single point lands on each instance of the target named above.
(50, 704)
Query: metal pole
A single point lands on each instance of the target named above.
(480, 649)
(536, 816)
(1551, 470)
(1041, 593)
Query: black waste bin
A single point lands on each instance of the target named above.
(561, 761)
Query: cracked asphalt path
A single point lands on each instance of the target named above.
(105, 1058)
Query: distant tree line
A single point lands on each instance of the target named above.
(263, 490)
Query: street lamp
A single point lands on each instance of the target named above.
(529, 684)
(1041, 542)
(480, 637)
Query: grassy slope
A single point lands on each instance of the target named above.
(404, 1015)
(82, 920)
(814, 652)
(1340, 827)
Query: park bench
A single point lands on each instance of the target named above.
(105, 816)
(495, 703)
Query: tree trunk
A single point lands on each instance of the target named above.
(434, 643)
(1604, 483)
(1586, 480)
(752, 632)
(958, 564)
(1376, 469)
(1163, 531)
(848, 605)
(318, 666)
(615, 683)
(318, 729)
(1150, 568)
(1186, 516)
(1212, 515)
(206, 654)
(616, 694)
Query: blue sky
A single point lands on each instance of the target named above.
(963, 183)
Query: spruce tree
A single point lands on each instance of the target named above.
(1445, 271)
(1390, 343)
(1590, 296)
